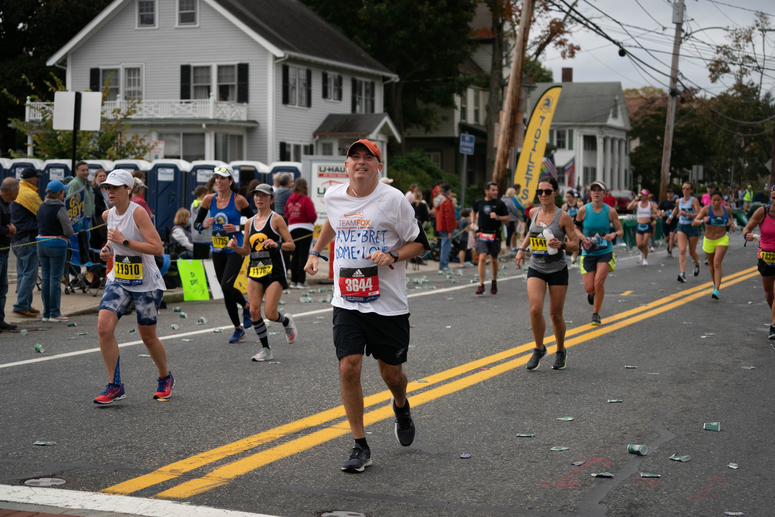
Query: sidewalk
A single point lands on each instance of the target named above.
(79, 303)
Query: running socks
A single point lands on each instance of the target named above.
(117, 372)
(362, 443)
(282, 319)
(261, 332)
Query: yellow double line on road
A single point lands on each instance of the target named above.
(222, 475)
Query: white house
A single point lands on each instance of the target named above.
(589, 130)
(229, 79)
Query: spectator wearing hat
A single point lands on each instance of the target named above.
(24, 213)
(54, 230)
(9, 190)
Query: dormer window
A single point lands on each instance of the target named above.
(187, 12)
(615, 114)
(146, 13)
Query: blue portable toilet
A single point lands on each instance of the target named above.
(95, 165)
(247, 171)
(19, 164)
(5, 167)
(166, 190)
(132, 165)
(56, 169)
(283, 167)
(199, 174)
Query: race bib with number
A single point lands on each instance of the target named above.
(538, 245)
(259, 270)
(768, 257)
(128, 270)
(486, 236)
(220, 241)
(359, 285)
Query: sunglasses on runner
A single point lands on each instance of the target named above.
(545, 192)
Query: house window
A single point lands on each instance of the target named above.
(435, 157)
(590, 174)
(171, 144)
(363, 96)
(228, 148)
(332, 86)
(303, 89)
(328, 149)
(187, 12)
(615, 114)
(201, 82)
(111, 76)
(368, 97)
(464, 107)
(227, 83)
(293, 82)
(296, 152)
(133, 83)
(146, 13)
(193, 146)
(561, 142)
(590, 143)
(477, 99)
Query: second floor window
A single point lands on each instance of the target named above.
(561, 139)
(296, 86)
(590, 143)
(477, 102)
(200, 83)
(227, 83)
(332, 86)
(187, 12)
(363, 96)
(464, 107)
(146, 13)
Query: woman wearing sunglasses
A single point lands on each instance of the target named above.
(764, 218)
(548, 268)
(592, 226)
(686, 211)
(646, 209)
(222, 212)
(716, 241)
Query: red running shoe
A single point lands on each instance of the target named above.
(480, 289)
(165, 387)
(112, 393)
(494, 288)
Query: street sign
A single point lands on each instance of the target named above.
(467, 144)
(64, 111)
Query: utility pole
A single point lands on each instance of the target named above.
(678, 17)
(509, 120)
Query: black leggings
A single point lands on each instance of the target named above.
(227, 266)
(300, 254)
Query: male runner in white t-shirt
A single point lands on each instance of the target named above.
(376, 232)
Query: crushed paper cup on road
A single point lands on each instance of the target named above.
(578, 463)
(559, 448)
(72, 324)
(39, 348)
(647, 475)
(640, 450)
(24, 332)
(630, 367)
(676, 457)
(183, 315)
(525, 435)
(218, 331)
(465, 456)
(177, 309)
(712, 426)
(566, 418)
(43, 443)
(603, 475)
(174, 326)
(749, 367)
(614, 401)
(733, 466)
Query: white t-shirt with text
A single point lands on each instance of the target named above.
(382, 221)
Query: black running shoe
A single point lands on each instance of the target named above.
(359, 459)
(480, 289)
(682, 278)
(696, 270)
(560, 360)
(535, 360)
(404, 424)
(772, 332)
(596, 319)
(591, 299)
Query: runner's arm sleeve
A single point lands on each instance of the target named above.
(422, 238)
(247, 212)
(200, 218)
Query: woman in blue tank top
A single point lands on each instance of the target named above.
(686, 210)
(716, 241)
(222, 212)
(592, 224)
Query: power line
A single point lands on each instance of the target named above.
(741, 8)
(650, 16)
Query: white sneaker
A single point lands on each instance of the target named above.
(264, 355)
(645, 262)
(45, 320)
(305, 285)
(58, 319)
(290, 330)
(651, 249)
(294, 285)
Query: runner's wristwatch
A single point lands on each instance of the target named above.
(394, 254)
(125, 243)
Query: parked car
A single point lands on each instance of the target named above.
(623, 198)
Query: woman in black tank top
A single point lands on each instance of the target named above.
(266, 236)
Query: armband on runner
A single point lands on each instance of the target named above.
(579, 224)
(318, 255)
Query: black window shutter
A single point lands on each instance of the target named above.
(373, 93)
(94, 80)
(355, 87)
(325, 85)
(285, 91)
(242, 83)
(309, 87)
(283, 151)
(185, 82)
(338, 95)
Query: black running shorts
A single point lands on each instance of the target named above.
(383, 337)
(556, 278)
(765, 270)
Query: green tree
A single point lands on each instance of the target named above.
(417, 167)
(111, 142)
(31, 31)
(423, 41)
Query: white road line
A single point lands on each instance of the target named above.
(122, 504)
(227, 327)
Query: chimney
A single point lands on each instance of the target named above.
(567, 75)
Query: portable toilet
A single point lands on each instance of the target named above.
(132, 165)
(248, 171)
(166, 190)
(199, 174)
(19, 164)
(5, 166)
(55, 169)
(95, 165)
(284, 167)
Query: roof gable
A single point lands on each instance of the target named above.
(357, 124)
(586, 103)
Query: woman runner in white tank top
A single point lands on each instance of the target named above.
(132, 243)
(646, 209)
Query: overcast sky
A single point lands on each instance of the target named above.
(649, 23)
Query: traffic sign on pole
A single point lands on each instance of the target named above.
(467, 143)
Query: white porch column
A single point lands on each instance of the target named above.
(599, 163)
(579, 155)
(607, 161)
(622, 164)
(616, 163)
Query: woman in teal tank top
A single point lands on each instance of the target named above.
(592, 224)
